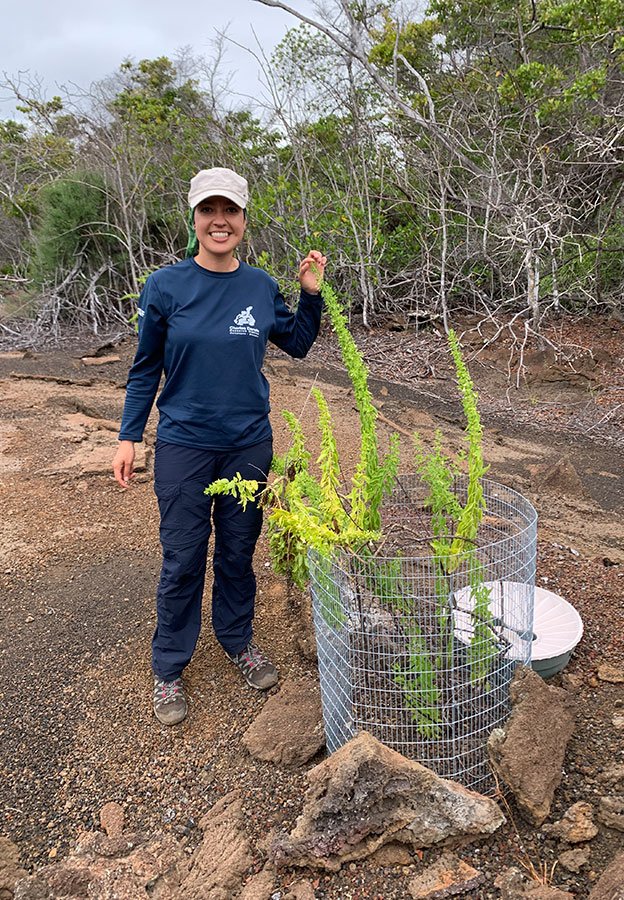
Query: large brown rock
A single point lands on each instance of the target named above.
(219, 864)
(610, 885)
(528, 753)
(10, 869)
(289, 730)
(366, 795)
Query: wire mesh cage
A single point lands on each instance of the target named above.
(419, 650)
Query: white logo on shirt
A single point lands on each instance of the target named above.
(245, 317)
(244, 323)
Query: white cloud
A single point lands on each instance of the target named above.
(71, 42)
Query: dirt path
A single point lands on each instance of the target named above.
(78, 566)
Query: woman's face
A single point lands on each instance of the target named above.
(219, 226)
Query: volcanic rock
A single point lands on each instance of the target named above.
(301, 890)
(100, 866)
(574, 860)
(367, 795)
(447, 877)
(558, 477)
(289, 730)
(260, 886)
(610, 885)
(528, 753)
(219, 864)
(112, 819)
(100, 360)
(126, 866)
(611, 812)
(575, 826)
(10, 869)
(610, 673)
(514, 886)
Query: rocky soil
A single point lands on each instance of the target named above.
(79, 561)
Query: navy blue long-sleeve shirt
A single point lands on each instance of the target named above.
(208, 331)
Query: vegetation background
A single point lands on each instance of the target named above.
(465, 159)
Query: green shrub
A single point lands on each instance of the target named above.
(70, 226)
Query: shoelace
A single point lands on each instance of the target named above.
(252, 657)
(167, 691)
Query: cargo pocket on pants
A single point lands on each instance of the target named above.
(167, 494)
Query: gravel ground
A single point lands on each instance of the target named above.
(79, 562)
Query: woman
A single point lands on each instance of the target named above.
(205, 323)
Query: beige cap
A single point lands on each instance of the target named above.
(218, 183)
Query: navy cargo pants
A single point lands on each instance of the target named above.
(186, 519)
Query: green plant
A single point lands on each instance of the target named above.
(313, 511)
(418, 682)
(373, 477)
(455, 527)
(245, 489)
(70, 225)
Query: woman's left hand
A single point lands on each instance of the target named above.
(311, 271)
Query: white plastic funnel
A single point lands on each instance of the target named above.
(557, 626)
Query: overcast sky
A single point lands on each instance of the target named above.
(73, 41)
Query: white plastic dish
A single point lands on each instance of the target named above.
(557, 626)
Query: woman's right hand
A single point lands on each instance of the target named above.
(123, 463)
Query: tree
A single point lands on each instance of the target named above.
(468, 159)
(495, 135)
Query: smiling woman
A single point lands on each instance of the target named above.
(218, 219)
(205, 322)
(219, 225)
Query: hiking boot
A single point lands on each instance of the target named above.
(169, 701)
(257, 670)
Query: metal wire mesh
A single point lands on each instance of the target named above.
(420, 651)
